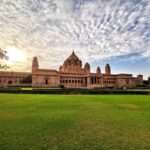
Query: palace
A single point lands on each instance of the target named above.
(71, 74)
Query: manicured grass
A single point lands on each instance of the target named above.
(59, 122)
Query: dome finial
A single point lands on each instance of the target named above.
(73, 53)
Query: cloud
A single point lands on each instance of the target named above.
(96, 29)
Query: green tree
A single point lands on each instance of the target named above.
(3, 56)
(149, 80)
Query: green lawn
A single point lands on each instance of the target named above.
(58, 122)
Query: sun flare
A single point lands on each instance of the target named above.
(15, 55)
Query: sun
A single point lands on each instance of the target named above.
(15, 55)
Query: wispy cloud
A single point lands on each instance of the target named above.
(96, 29)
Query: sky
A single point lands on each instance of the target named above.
(99, 31)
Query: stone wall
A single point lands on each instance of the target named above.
(13, 78)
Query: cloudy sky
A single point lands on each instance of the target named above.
(100, 32)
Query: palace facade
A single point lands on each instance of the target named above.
(71, 74)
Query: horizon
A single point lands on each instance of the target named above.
(100, 32)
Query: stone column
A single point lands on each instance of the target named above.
(88, 81)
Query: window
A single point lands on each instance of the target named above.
(127, 81)
(9, 82)
(46, 81)
(92, 80)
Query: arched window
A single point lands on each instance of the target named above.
(46, 81)
(127, 81)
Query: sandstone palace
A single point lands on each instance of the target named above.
(71, 74)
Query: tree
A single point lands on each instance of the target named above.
(149, 80)
(3, 55)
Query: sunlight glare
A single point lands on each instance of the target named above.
(15, 55)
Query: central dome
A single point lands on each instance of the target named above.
(72, 64)
(73, 60)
